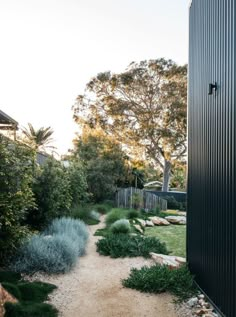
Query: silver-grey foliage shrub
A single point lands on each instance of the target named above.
(95, 215)
(120, 226)
(69, 227)
(56, 250)
(51, 254)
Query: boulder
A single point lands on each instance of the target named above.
(158, 221)
(179, 220)
(149, 223)
(142, 222)
(138, 227)
(5, 297)
(169, 260)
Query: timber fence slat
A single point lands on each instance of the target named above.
(137, 198)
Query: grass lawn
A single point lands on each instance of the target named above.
(174, 236)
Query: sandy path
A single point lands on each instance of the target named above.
(93, 289)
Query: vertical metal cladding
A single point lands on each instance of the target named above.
(211, 236)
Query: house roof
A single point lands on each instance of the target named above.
(6, 121)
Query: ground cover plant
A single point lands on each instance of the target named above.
(174, 237)
(30, 296)
(159, 279)
(121, 245)
(30, 310)
(56, 250)
(103, 232)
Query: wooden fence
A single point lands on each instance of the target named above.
(138, 198)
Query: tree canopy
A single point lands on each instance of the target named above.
(144, 107)
(104, 162)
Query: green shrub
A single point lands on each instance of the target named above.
(17, 164)
(121, 245)
(172, 203)
(82, 212)
(29, 295)
(133, 213)
(12, 289)
(158, 279)
(35, 291)
(30, 310)
(30, 292)
(95, 215)
(120, 226)
(102, 208)
(9, 277)
(50, 254)
(78, 184)
(52, 192)
(183, 206)
(114, 215)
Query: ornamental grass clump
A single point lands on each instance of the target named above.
(123, 245)
(120, 226)
(159, 279)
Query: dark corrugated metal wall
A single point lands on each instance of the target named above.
(211, 237)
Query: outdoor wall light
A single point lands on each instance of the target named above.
(211, 87)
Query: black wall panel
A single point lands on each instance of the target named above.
(211, 236)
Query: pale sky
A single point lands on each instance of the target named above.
(49, 49)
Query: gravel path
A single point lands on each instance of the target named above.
(94, 289)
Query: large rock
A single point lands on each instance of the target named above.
(5, 297)
(149, 223)
(158, 221)
(142, 222)
(179, 220)
(173, 262)
(138, 227)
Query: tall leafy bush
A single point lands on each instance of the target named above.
(16, 195)
(52, 193)
(78, 183)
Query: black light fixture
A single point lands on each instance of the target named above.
(211, 87)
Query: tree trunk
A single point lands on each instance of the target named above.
(166, 176)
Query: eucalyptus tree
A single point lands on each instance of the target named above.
(144, 107)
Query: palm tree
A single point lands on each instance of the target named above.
(38, 139)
